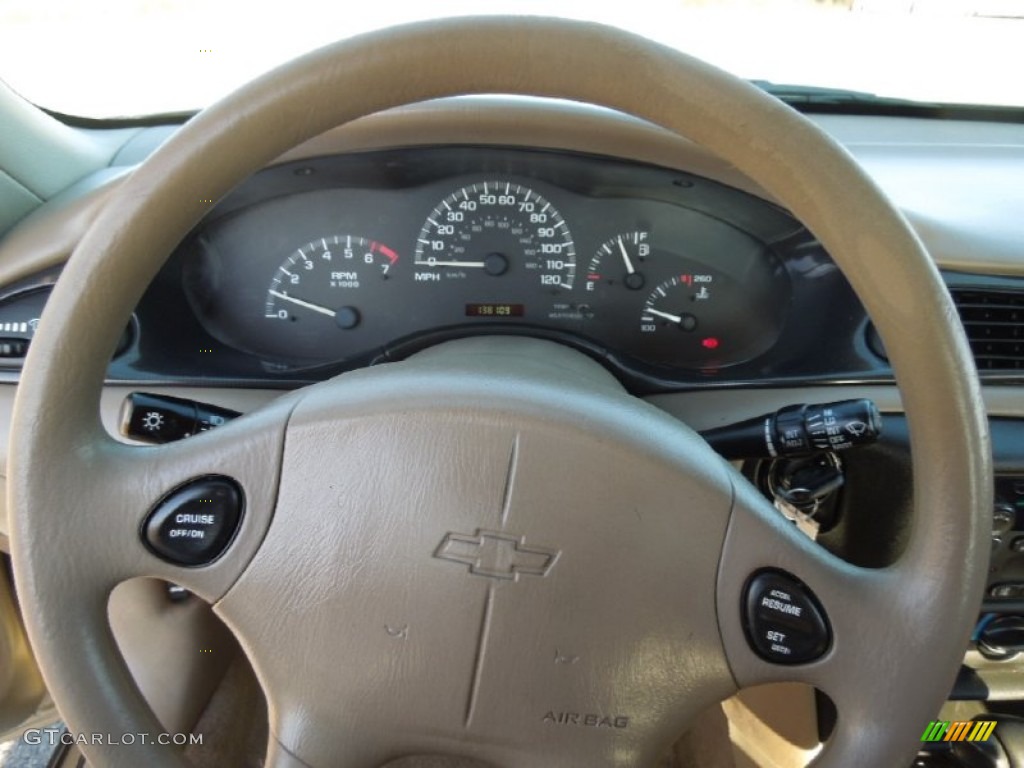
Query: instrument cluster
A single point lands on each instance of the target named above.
(339, 261)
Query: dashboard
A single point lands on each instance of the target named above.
(696, 291)
(476, 217)
(329, 263)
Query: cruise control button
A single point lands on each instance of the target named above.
(783, 619)
(196, 522)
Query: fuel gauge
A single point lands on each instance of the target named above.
(681, 301)
(621, 261)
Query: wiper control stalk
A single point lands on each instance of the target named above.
(799, 430)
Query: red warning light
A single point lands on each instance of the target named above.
(709, 343)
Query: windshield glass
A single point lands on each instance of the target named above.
(138, 57)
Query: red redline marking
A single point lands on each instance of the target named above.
(388, 253)
(593, 277)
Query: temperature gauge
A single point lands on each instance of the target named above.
(677, 303)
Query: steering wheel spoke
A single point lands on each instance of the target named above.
(201, 507)
(100, 510)
(868, 612)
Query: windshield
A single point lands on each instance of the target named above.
(139, 57)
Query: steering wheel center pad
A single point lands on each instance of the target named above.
(569, 602)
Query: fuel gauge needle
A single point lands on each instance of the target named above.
(666, 315)
(625, 257)
(301, 303)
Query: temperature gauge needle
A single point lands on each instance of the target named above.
(665, 315)
(306, 304)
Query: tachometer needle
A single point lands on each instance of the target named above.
(301, 303)
(666, 315)
(625, 258)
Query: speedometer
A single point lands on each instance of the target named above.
(493, 229)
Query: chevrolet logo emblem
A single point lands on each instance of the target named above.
(496, 555)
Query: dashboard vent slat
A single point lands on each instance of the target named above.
(993, 320)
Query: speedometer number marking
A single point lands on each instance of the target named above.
(494, 228)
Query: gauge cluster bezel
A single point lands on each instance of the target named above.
(809, 272)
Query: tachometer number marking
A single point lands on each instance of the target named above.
(323, 277)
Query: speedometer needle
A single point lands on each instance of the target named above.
(625, 258)
(666, 315)
(301, 303)
(436, 263)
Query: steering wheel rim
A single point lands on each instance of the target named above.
(56, 427)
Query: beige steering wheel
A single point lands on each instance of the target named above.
(627, 541)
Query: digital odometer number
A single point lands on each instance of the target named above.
(496, 229)
(495, 310)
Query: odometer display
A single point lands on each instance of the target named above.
(497, 230)
(495, 310)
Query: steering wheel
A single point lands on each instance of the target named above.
(491, 550)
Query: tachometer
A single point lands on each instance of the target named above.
(321, 280)
(496, 230)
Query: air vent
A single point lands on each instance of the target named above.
(994, 322)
